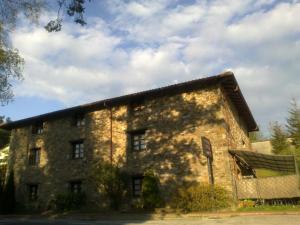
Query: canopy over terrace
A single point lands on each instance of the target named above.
(279, 187)
(254, 160)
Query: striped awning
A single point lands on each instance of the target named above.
(254, 160)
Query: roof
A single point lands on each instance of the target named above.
(284, 163)
(227, 80)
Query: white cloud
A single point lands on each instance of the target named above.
(153, 43)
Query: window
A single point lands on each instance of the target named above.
(137, 108)
(34, 156)
(138, 140)
(38, 128)
(77, 149)
(137, 186)
(79, 120)
(33, 191)
(75, 187)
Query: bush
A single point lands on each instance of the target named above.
(8, 202)
(71, 201)
(111, 181)
(151, 197)
(201, 197)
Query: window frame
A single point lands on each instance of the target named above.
(34, 156)
(81, 149)
(33, 191)
(38, 128)
(137, 108)
(79, 120)
(77, 184)
(138, 140)
(137, 192)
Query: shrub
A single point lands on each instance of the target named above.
(112, 181)
(70, 201)
(247, 203)
(151, 197)
(200, 197)
(8, 202)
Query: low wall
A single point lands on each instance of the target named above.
(268, 187)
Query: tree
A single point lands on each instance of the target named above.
(112, 182)
(8, 201)
(11, 64)
(73, 8)
(293, 124)
(279, 139)
(256, 136)
(4, 134)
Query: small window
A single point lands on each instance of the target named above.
(33, 192)
(78, 149)
(34, 156)
(137, 108)
(137, 186)
(79, 120)
(138, 140)
(75, 187)
(38, 128)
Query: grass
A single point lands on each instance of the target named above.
(270, 208)
(269, 173)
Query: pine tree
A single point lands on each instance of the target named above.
(293, 124)
(279, 139)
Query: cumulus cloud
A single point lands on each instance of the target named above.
(147, 44)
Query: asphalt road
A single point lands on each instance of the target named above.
(238, 220)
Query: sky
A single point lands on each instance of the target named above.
(129, 46)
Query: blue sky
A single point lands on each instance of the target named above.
(130, 46)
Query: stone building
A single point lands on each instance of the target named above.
(158, 129)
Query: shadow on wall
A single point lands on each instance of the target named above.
(173, 124)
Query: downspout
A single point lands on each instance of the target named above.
(111, 132)
(111, 136)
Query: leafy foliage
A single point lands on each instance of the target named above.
(201, 197)
(111, 181)
(151, 197)
(70, 201)
(279, 139)
(293, 124)
(4, 134)
(8, 202)
(256, 136)
(73, 8)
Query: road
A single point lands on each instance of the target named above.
(238, 220)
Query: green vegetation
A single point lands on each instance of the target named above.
(201, 197)
(112, 182)
(7, 199)
(151, 197)
(67, 202)
(269, 173)
(287, 141)
(270, 208)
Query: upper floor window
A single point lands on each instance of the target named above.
(33, 191)
(75, 187)
(38, 128)
(77, 149)
(137, 108)
(34, 156)
(138, 141)
(137, 186)
(79, 120)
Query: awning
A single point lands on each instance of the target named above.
(284, 163)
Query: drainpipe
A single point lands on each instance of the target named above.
(111, 138)
(111, 132)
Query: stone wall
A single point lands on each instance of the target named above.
(173, 124)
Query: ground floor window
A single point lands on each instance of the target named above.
(137, 186)
(33, 191)
(75, 186)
